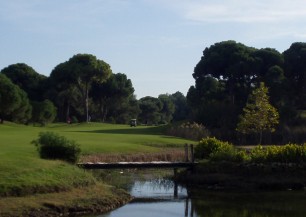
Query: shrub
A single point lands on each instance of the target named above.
(229, 154)
(293, 153)
(208, 146)
(188, 130)
(216, 150)
(290, 153)
(258, 154)
(53, 146)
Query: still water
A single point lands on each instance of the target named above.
(162, 198)
(157, 197)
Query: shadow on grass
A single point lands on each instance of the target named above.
(159, 130)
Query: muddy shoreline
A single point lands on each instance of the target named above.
(78, 202)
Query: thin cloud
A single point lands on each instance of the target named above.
(52, 15)
(238, 11)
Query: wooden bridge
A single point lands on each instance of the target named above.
(189, 163)
(136, 165)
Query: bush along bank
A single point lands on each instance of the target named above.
(223, 166)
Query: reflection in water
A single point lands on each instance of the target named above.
(158, 189)
(156, 209)
(158, 197)
(259, 204)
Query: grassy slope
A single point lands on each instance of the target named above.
(23, 172)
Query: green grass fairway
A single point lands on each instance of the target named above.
(93, 138)
(22, 171)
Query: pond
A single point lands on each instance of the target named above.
(163, 198)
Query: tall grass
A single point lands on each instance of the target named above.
(173, 155)
(193, 131)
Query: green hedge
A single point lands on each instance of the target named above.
(290, 153)
(216, 150)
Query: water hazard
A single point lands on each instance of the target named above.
(157, 197)
(160, 197)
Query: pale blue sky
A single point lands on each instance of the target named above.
(156, 43)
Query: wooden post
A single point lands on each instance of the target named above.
(191, 209)
(192, 153)
(186, 207)
(175, 193)
(175, 190)
(186, 153)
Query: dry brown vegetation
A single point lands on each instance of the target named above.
(173, 155)
(187, 130)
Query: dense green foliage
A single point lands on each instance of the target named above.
(10, 97)
(23, 113)
(216, 150)
(150, 108)
(227, 74)
(258, 114)
(85, 89)
(208, 146)
(26, 78)
(53, 146)
(114, 99)
(229, 154)
(295, 72)
(43, 112)
(167, 109)
(289, 153)
(182, 108)
(78, 73)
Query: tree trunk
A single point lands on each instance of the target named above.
(87, 112)
(105, 114)
(68, 111)
(102, 113)
(87, 116)
(260, 137)
(84, 95)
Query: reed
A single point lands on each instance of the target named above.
(173, 155)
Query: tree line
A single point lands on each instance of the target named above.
(84, 88)
(227, 74)
(81, 89)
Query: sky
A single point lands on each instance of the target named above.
(156, 43)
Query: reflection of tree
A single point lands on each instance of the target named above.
(276, 204)
(189, 208)
(160, 183)
(117, 178)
